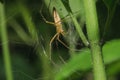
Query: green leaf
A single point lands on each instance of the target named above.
(74, 64)
(58, 5)
(111, 50)
(113, 69)
(77, 7)
(82, 60)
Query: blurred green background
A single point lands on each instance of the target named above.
(29, 36)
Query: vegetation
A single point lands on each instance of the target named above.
(91, 35)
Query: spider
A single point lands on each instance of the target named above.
(58, 24)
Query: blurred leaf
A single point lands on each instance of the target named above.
(26, 15)
(77, 8)
(110, 3)
(113, 69)
(111, 50)
(22, 69)
(82, 60)
(11, 10)
(20, 31)
(58, 5)
(111, 6)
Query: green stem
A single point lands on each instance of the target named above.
(4, 37)
(93, 36)
(79, 30)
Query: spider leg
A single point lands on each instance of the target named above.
(53, 38)
(45, 18)
(52, 41)
(62, 42)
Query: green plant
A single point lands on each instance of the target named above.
(5, 47)
(92, 23)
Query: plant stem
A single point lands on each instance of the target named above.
(5, 48)
(79, 30)
(93, 36)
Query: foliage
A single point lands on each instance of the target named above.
(28, 40)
